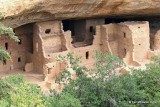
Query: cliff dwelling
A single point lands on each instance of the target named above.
(41, 42)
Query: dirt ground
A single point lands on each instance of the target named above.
(29, 76)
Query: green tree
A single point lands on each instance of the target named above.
(106, 64)
(62, 100)
(6, 31)
(17, 92)
(74, 65)
(139, 89)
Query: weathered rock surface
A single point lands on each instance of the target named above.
(19, 12)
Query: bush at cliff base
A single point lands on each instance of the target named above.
(62, 100)
(141, 89)
(16, 92)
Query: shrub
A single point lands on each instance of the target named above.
(62, 100)
(4, 55)
(73, 64)
(124, 89)
(149, 81)
(117, 91)
(106, 64)
(141, 89)
(7, 31)
(16, 92)
(92, 91)
(88, 91)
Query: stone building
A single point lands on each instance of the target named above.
(20, 52)
(128, 40)
(41, 42)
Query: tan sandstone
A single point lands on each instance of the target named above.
(20, 12)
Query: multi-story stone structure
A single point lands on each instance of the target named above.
(41, 42)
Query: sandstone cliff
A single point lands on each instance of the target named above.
(19, 12)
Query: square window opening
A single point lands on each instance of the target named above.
(47, 31)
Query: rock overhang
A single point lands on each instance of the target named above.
(19, 12)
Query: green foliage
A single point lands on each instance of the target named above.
(62, 100)
(106, 65)
(113, 93)
(92, 91)
(4, 55)
(16, 92)
(149, 81)
(73, 63)
(123, 89)
(6, 31)
(141, 89)
(88, 91)
(1, 16)
(155, 65)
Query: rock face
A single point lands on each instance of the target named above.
(20, 12)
